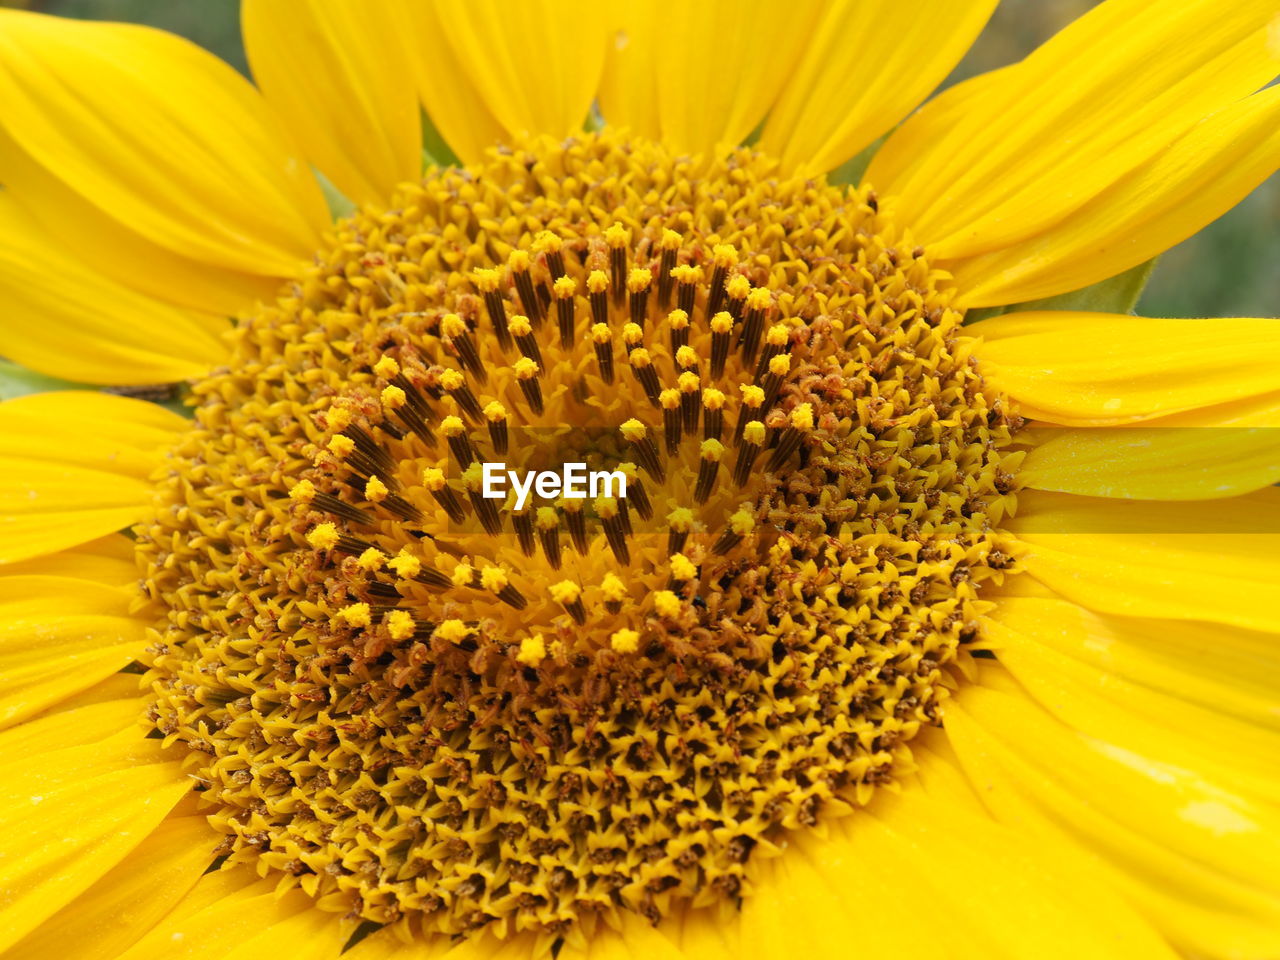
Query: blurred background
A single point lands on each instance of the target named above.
(1232, 268)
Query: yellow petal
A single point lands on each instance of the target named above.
(1196, 858)
(58, 636)
(228, 918)
(76, 726)
(71, 815)
(67, 320)
(490, 72)
(636, 940)
(1220, 451)
(161, 136)
(1225, 669)
(702, 77)
(867, 65)
(1185, 186)
(337, 76)
(1202, 560)
(1095, 369)
(1104, 96)
(384, 945)
(75, 467)
(930, 845)
(80, 230)
(1042, 644)
(128, 900)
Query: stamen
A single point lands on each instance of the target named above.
(642, 369)
(522, 330)
(569, 595)
(726, 257)
(679, 524)
(455, 431)
(758, 301)
(678, 321)
(458, 337)
(687, 277)
(753, 436)
(455, 385)
(667, 263)
(617, 237)
(549, 246)
(711, 452)
(486, 283)
(496, 414)
(713, 413)
(598, 297)
(564, 290)
(603, 342)
(740, 524)
(669, 400)
(433, 479)
(721, 336)
(577, 524)
(607, 510)
(646, 450)
(519, 263)
(527, 376)
(638, 281)
(549, 534)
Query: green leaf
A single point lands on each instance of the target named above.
(1118, 294)
(339, 204)
(435, 152)
(16, 381)
(851, 170)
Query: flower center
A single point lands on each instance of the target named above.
(440, 709)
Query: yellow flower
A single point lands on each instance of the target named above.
(910, 637)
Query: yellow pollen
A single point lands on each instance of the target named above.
(738, 287)
(667, 604)
(433, 479)
(547, 518)
(565, 592)
(486, 279)
(600, 333)
(493, 579)
(742, 522)
(597, 281)
(340, 445)
(375, 490)
(634, 430)
(754, 432)
(453, 631)
(452, 325)
(688, 382)
(613, 589)
(625, 641)
(682, 568)
(777, 335)
(323, 536)
(802, 417)
(371, 560)
(387, 368)
(452, 380)
(495, 412)
(356, 615)
(464, 575)
(726, 255)
(677, 319)
(617, 236)
(780, 365)
(303, 491)
(338, 418)
(712, 399)
(752, 396)
(533, 650)
(519, 325)
(639, 279)
(405, 565)
(564, 288)
(393, 398)
(681, 519)
(670, 399)
(759, 298)
(686, 356)
(525, 368)
(712, 449)
(452, 426)
(519, 261)
(722, 322)
(400, 624)
(547, 242)
(670, 240)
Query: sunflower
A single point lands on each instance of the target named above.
(938, 616)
